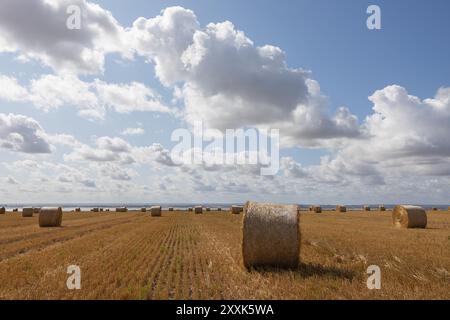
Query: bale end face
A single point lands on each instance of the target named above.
(50, 217)
(270, 235)
(406, 216)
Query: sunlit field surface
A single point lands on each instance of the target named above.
(186, 256)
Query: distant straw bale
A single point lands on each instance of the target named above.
(50, 217)
(406, 216)
(155, 211)
(236, 209)
(27, 212)
(340, 208)
(198, 209)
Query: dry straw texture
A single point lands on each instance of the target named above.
(122, 209)
(27, 212)
(155, 211)
(236, 209)
(382, 208)
(198, 209)
(317, 209)
(341, 209)
(270, 235)
(405, 216)
(50, 217)
(2, 210)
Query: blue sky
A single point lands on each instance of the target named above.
(409, 55)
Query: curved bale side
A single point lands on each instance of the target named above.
(270, 235)
(155, 211)
(27, 212)
(122, 209)
(2, 210)
(406, 216)
(198, 209)
(341, 208)
(236, 209)
(50, 217)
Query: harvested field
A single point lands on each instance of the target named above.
(187, 256)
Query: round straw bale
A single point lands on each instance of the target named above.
(198, 209)
(311, 208)
(435, 209)
(101, 209)
(317, 209)
(406, 216)
(122, 209)
(95, 209)
(78, 210)
(170, 209)
(270, 235)
(27, 212)
(366, 208)
(382, 208)
(236, 209)
(219, 209)
(2, 210)
(155, 211)
(36, 210)
(341, 208)
(15, 210)
(107, 210)
(190, 209)
(50, 217)
(208, 209)
(143, 209)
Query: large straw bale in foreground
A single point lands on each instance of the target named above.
(405, 216)
(27, 212)
(340, 208)
(50, 217)
(2, 210)
(155, 211)
(198, 209)
(236, 209)
(270, 235)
